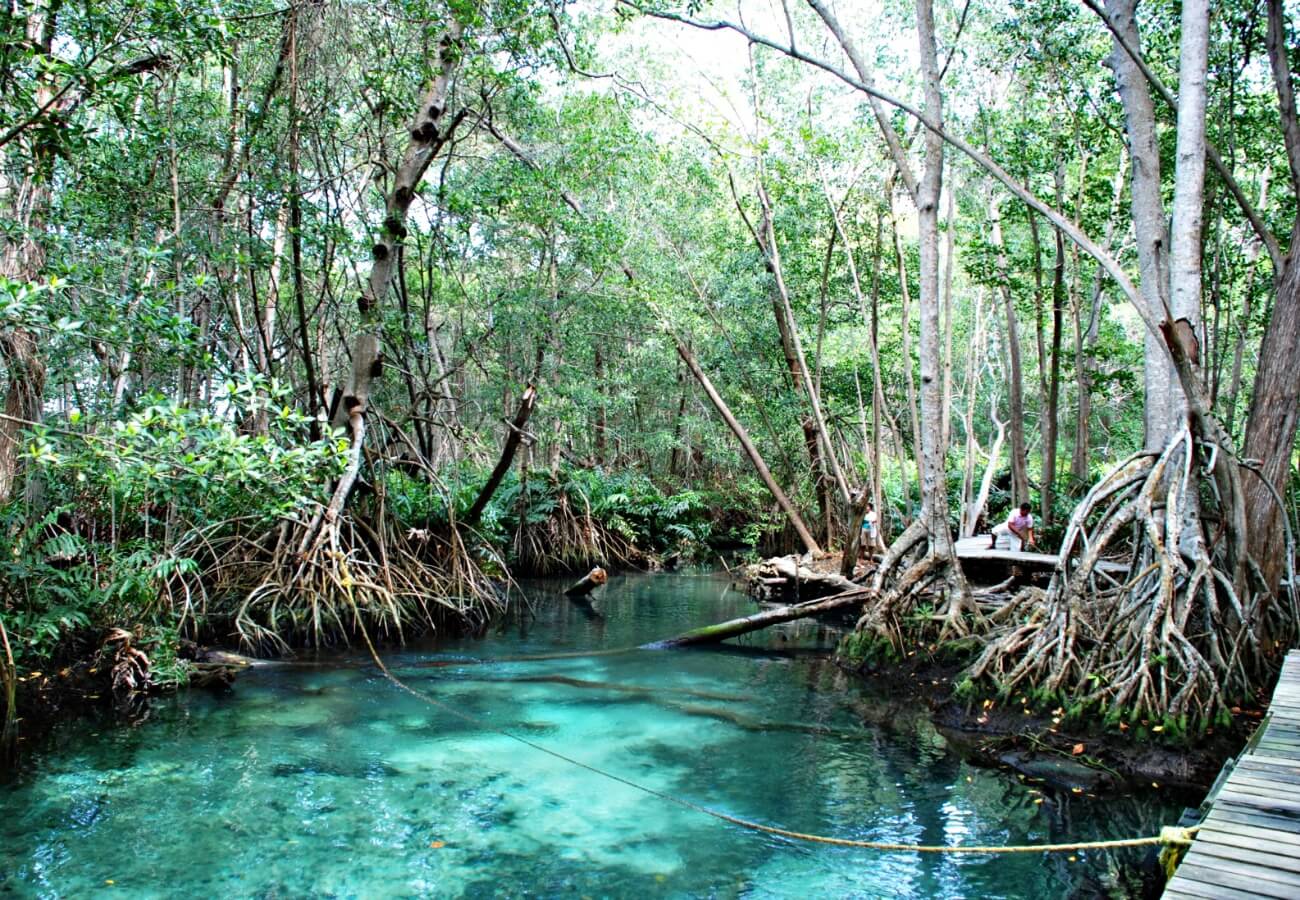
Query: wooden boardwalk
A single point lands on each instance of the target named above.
(1249, 844)
(977, 549)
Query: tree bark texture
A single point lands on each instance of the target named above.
(1088, 359)
(426, 138)
(517, 430)
(934, 487)
(1271, 428)
(1162, 393)
(22, 257)
(716, 634)
(588, 583)
(1051, 406)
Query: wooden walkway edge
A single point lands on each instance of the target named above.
(977, 548)
(1249, 843)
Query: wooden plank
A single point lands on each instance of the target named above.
(1186, 889)
(1290, 852)
(1229, 817)
(1235, 875)
(1281, 730)
(1255, 803)
(1267, 792)
(977, 548)
(1249, 843)
(1260, 766)
(1261, 863)
(1274, 804)
(1279, 725)
(1279, 751)
(1280, 745)
(1277, 781)
(1256, 763)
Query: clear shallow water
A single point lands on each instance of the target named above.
(327, 781)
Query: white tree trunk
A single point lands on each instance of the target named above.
(1189, 174)
(1162, 391)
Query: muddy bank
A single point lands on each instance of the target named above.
(1014, 733)
(1043, 747)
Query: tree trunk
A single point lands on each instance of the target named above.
(760, 466)
(601, 441)
(1088, 360)
(872, 448)
(1270, 430)
(508, 450)
(22, 257)
(1047, 490)
(934, 482)
(795, 357)
(588, 583)
(715, 634)
(428, 133)
(679, 452)
(949, 232)
(853, 546)
(906, 346)
(1148, 219)
(1015, 375)
(974, 363)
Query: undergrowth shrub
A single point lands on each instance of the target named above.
(128, 516)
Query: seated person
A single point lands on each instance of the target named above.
(1016, 533)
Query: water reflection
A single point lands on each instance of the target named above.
(325, 780)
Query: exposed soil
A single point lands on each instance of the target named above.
(1036, 742)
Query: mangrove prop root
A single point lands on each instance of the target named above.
(1166, 639)
(568, 540)
(356, 568)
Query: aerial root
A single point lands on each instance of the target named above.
(354, 569)
(1165, 640)
(924, 576)
(569, 540)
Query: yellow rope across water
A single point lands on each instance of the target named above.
(1169, 835)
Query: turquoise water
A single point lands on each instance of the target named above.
(325, 780)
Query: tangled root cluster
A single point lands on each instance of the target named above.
(1151, 612)
(921, 583)
(357, 571)
(569, 540)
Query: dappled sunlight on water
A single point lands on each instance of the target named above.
(326, 780)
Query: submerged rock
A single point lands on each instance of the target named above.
(1056, 770)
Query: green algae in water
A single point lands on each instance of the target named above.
(329, 782)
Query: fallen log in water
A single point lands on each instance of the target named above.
(594, 579)
(712, 634)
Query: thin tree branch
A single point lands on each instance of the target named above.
(1086, 244)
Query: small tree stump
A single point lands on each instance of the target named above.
(594, 579)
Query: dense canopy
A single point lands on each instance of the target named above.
(318, 313)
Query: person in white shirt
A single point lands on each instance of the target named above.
(871, 530)
(1016, 533)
